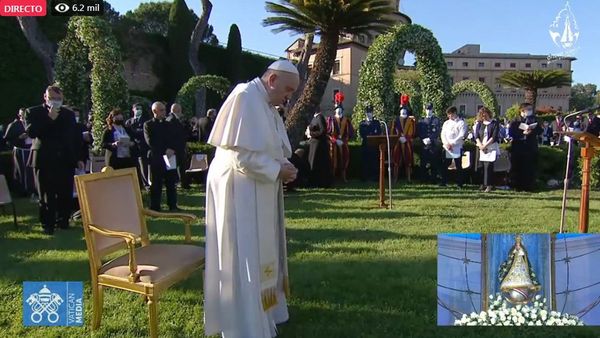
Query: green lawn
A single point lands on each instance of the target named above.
(356, 270)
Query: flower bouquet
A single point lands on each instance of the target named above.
(501, 313)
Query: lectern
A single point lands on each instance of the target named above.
(592, 145)
(381, 142)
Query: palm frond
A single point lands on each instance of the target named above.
(535, 79)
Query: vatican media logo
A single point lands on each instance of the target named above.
(52, 303)
(564, 32)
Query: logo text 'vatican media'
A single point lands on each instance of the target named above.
(53, 303)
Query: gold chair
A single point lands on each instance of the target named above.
(5, 198)
(114, 219)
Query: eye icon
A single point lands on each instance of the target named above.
(61, 7)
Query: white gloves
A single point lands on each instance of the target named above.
(402, 139)
(339, 142)
(427, 141)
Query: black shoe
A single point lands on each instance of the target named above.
(175, 209)
(48, 231)
(64, 226)
(155, 209)
(442, 185)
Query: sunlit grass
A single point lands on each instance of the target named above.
(356, 270)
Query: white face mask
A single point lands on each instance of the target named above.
(429, 113)
(369, 116)
(529, 112)
(77, 119)
(55, 103)
(403, 113)
(137, 113)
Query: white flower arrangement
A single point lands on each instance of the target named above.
(500, 313)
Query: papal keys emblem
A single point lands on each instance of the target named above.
(44, 302)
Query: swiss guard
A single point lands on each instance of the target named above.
(428, 130)
(339, 128)
(370, 126)
(403, 132)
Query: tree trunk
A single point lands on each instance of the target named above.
(303, 67)
(39, 43)
(531, 97)
(303, 110)
(195, 41)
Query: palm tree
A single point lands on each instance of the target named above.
(531, 81)
(329, 19)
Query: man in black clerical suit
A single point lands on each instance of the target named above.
(593, 126)
(181, 134)
(136, 124)
(524, 132)
(321, 173)
(205, 124)
(56, 152)
(159, 137)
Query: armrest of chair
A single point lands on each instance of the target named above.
(130, 239)
(187, 219)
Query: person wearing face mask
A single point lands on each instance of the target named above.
(86, 137)
(452, 135)
(524, 132)
(557, 126)
(486, 137)
(339, 128)
(117, 141)
(594, 124)
(403, 131)
(319, 160)
(55, 153)
(246, 255)
(17, 138)
(429, 129)
(370, 126)
(181, 134)
(136, 124)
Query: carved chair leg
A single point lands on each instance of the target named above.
(153, 316)
(98, 299)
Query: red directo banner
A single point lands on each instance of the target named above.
(22, 7)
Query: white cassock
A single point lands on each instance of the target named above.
(246, 256)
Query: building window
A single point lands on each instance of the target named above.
(544, 65)
(336, 67)
(559, 65)
(558, 87)
(465, 78)
(528, 65)
(482, 64)
(482, 79)
(465, 64)
(450, 63)
(462, 109)
(500, 110)
(513, 65)
(497, 65)
(451, 80)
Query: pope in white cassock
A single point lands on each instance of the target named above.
(246, 277)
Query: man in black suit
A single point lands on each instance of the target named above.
(86, 137)
(56, 152)
(593, 126)
(159, 137)
(136, 124)
(205, 125)
(181, 134)
(15, 135)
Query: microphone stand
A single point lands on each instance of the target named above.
(566, 180)
(387, 135)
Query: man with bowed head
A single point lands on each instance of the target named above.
(246, 282)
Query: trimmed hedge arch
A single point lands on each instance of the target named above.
(186, 95)
(376, 83)
(485, 93)
(108, 86)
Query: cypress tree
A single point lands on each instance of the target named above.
(234, 52)
(181, 25)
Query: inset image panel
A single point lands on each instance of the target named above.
(518, 279)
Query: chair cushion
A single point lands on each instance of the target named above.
(156, 262)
